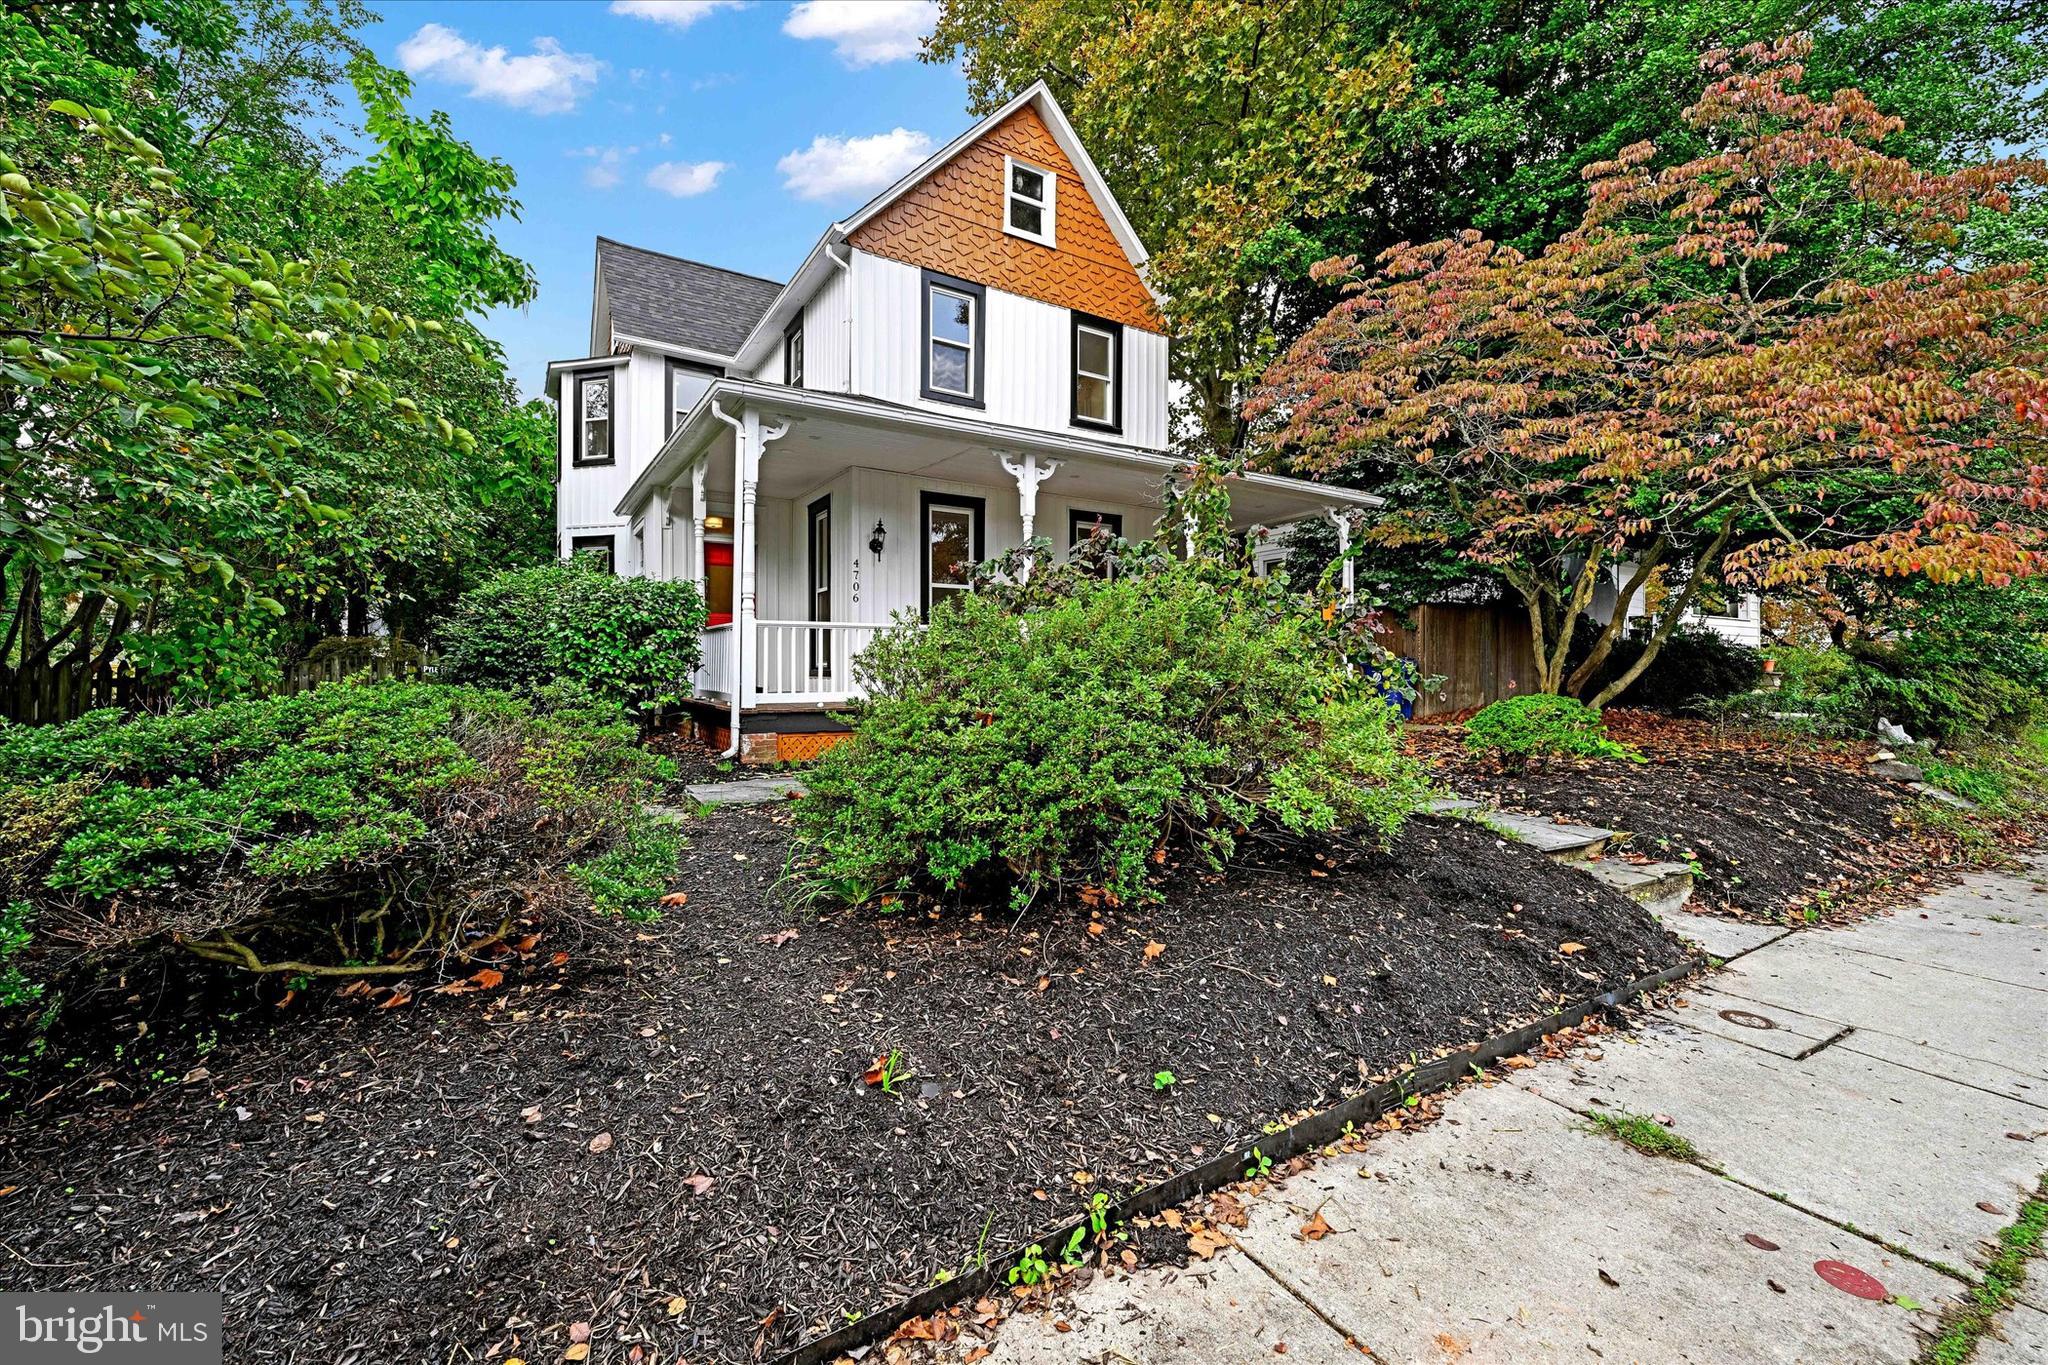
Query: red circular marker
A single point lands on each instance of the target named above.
(1850, 1280)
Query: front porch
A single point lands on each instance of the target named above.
(813, 522)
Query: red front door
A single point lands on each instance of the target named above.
(718, 583)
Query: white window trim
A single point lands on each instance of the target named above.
(1109, 387)
(973, 319)
(1051, 204)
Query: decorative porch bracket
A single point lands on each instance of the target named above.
(1028, 474)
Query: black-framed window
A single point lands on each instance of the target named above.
(604, 549)
(954, 532)
(820, 605)
(593, 436)
(793, 353)
(1082, 523)
(1097, 389)
(955, 324)
(686, 383)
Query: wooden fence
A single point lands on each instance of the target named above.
(51, 696)
(1481, 654)
(304, 677)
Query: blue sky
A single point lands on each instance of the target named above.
(728, 133)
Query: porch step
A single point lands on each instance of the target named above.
(1570, 843)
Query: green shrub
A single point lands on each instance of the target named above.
(1081, 728)
(356, 828)
(1695, 666)
(631, 640)
(1520, 728)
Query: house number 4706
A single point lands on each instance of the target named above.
(856, 579)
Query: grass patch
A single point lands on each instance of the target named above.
(1966, 1324)
(1644, 1133)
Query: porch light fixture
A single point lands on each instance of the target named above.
(875, 539)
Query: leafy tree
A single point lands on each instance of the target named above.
(1219, 125)
(135, 455)
(1762, 365)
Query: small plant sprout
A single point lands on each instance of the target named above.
(890, 1070)
(1073, 1253)
(1031, 1268)
(1260, 1166)
(1162, 1079)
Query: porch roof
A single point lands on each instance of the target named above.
(830, 431)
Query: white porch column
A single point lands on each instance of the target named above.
(697, 515)
(1029, 474)
(1342, 521)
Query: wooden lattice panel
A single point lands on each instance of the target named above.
(804, 748)
(952, 222)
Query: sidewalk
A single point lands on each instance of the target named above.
(1876, 1096)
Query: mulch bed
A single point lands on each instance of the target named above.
(1777, 825)
(665, 1141)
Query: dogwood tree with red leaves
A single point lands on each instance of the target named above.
(1759, 368)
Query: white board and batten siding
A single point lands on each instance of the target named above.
(1027, 373)
(586, 494)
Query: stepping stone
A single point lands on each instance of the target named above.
(1449, 805)
(1946, 797)
(1722, 938)
(1548, 836)
(744, 791)
(1661, 887)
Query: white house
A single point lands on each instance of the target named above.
(972, 359)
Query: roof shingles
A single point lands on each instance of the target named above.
(680, 303)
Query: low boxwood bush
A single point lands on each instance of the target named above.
(356, 829)
(1518, 729)
(1083, 729)
(632, 640)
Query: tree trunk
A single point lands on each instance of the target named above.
(1669, 615)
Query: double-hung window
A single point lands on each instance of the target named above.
(1028, 203)
(686, 384)
(593, 419)
(1098, 360)
(953, 332)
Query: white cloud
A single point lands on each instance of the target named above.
(841, 167)
(674, 13)
(547, 80)
(607, 164)
(865, 32)
(684, 179)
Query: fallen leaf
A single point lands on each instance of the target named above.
(530, 1114)
(1279, 1348)
(580, 1351)
(700, 1185)
(978, 1353)
(601, 1143)
(779, 937)
(1609, 1280)
(677, 1306)
(1984, 1204)
(579, 1331)
(1153, 948)
(1096, 926)
(676, 898)
(1083, 1178)
(1043, 982)
(1063, 1326)
(1315, 1229)
(1760, 1243)
(1171, 1217)
(1776, 1288)
(1569, 948)
(1205, 1242)
(403, 996)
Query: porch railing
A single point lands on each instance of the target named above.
(809, 661)
(714, 674)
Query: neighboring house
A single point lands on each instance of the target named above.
(972, 359)
(1743, 625)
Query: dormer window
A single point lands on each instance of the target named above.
(1028, 201)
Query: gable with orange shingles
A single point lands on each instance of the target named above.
(952, 222)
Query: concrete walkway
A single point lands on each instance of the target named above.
(1876, 1096)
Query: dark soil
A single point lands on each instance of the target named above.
(1775, 825)
(694, 762)
(668, 1138)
